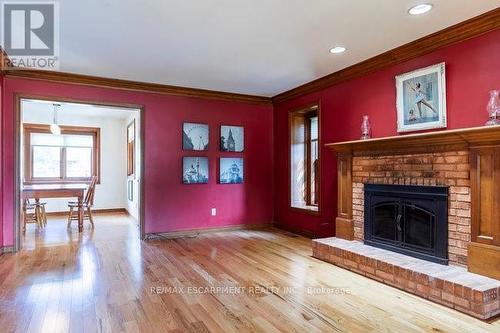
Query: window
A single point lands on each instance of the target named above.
(72, 156)
(304, 158)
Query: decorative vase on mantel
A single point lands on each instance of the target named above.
(366, 129)
(493, 109)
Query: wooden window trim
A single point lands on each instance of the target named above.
(307, 111)
(307, 158)
(95, 132)
(131, 153)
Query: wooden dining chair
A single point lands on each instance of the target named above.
(42, 212)
(87, 204)
(31, 214)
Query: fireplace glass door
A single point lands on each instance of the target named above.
(384, 224)
(408, 219)
(419, 226)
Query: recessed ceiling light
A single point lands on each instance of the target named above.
(337, 49)
(420, 9)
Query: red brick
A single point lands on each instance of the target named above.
(448, 287)
(456, 159)
(469, 312)
(400, 282)
(423, 279)
(459, 220)
(423, 290)
(435, 294)
(460, 205)
(385, 267)
(463, 182)
(450, 182)
(445, 167)
(467, 293)
(464, 236)
(457, 174)
(385, 276)
(461, 260)
(463, 167)
(370, 262)
(367, 269)
(458, 290)
(447, 297)
(436, 283)
(464, 197)
(458, 251)
(438, 159)
(490, 295)
(412, 285)
(350, 263)
(490, 307)
(478, 296)
(464, 213)
(477, 307)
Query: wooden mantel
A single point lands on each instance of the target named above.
(483, 145)
(421, 142)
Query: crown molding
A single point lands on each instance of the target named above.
(95, 81)
(4, 60)
(460, 32)
(457, 33)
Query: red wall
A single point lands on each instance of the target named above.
(169, 205)
(1, 155)
(472, 69)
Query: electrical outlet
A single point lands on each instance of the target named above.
(214, 211)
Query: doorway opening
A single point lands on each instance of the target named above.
(79, 171)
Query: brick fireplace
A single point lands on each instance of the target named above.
(440, 168)
(466, 163)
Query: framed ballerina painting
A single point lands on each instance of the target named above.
(421, 99)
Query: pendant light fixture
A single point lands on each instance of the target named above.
(54, 127)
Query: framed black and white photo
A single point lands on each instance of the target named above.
(195, 136)
(232, 138)
(231, 170)
(421, 99)
(195, 170)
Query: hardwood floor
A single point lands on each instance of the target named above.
(107, 280)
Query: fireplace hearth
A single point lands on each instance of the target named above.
(408, 219)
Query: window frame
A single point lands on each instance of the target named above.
(307, 152)
(307, 112)
(95, 132)
(131, 150)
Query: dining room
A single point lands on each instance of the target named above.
(79, 170)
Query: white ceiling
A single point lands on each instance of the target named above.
(260, 47)
(32, 106)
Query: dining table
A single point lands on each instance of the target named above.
(50, 191)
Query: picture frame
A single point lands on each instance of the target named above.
(195, 136)
(195, 170)
(421, 99)
(232, 138)
(231, 170)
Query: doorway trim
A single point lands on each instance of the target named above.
(18, 97)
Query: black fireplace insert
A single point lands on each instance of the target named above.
(408, 219)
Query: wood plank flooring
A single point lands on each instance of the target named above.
(107, 280)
